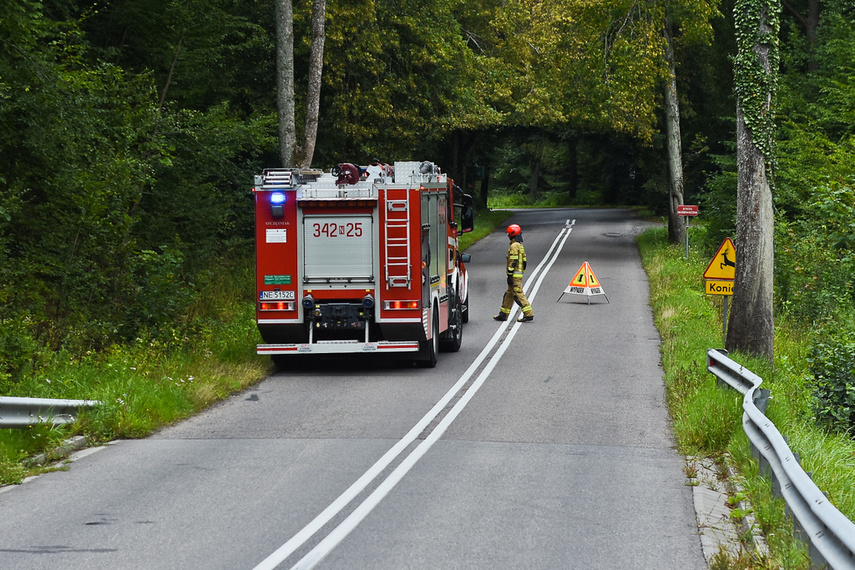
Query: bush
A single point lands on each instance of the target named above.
(812, 280)
(17, 348)
(718, 204)
(833, 366)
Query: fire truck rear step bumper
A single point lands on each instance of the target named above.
(339, 347)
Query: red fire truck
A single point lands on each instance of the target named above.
(361, 260)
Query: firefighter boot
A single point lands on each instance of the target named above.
(501, 317)
(526, 318)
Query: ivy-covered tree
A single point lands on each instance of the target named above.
(752, 327)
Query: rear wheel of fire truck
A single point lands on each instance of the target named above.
(452, 340)
(464, 315)
(430, 349)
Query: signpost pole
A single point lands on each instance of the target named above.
(687, 237)
(724, 323)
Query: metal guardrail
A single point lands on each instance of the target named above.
(830, 535)
(24, 412)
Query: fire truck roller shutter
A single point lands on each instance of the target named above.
(338, 247)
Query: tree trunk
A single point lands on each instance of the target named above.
(172, 65)
(573, 167)
(462, 145)
(810, 24)
(169, 75)
(284, 15)
(676, 229)
(466, 156)
(455, 158)
(535, 162)
(316, 66)
(484, 195)
(752, 325)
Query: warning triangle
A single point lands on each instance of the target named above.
(723, 264)
(584, 283)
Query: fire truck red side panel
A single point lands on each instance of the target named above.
(400, 279)
(276, 260)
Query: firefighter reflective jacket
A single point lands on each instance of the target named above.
(516, 259)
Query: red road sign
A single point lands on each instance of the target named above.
(687, 210)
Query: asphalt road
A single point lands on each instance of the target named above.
(538, 445)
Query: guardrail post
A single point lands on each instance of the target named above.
(761, 399)
(764, 467)
(776, 484)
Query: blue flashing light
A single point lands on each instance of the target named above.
(277, 198)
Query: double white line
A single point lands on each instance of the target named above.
(325, 546)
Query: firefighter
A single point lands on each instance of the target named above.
(515, 269)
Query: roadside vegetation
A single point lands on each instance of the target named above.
(150, 382)
(707, 419)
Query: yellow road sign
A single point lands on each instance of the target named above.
(719, 287)
(723, 264)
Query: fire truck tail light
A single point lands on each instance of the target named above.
(276, 306)
(401, 305)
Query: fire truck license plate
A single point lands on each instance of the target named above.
(277, 295)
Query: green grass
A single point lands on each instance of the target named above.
(485, 222)
(499, 199)
(16, 446)
(150, 383)
(143, 386)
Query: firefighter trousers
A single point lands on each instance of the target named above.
(515, 294)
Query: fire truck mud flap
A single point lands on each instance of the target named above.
(430, 349)
(452, 339)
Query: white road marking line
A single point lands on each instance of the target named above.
(338, 534)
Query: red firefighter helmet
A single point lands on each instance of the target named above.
(514, 230)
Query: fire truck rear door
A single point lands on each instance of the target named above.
(338, 247)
